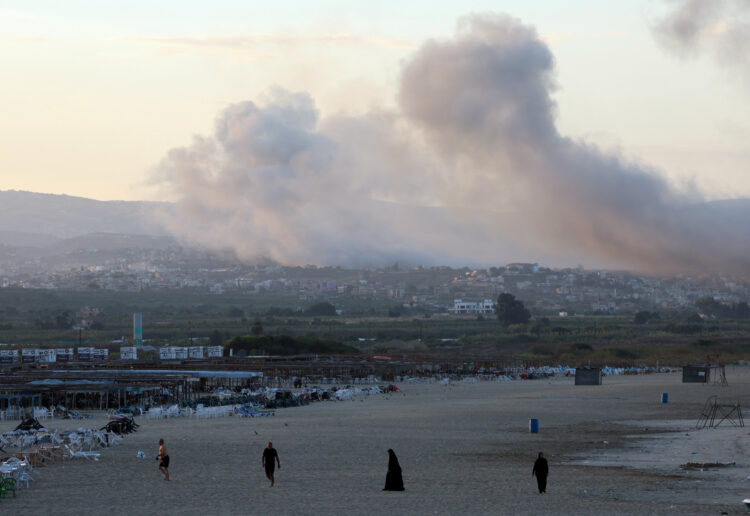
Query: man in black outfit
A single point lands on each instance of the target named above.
(269, 454)
(541, 470)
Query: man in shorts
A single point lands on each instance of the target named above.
(163, 459)
(269, 454)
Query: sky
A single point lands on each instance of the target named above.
(360, 134)
(95, 93)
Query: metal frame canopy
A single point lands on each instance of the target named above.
(18, 397)
(42, 385)
(160, 372)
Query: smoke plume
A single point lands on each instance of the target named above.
(721, 27)
(470, 169)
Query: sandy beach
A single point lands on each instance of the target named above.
(464, 449)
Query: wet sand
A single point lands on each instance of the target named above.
(464, 449)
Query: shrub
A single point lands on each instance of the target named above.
(626, 353)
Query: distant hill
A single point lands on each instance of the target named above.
(39, 220)
(110, 241)
(22, 239)
(36, 225)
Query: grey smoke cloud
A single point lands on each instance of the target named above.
(721, 27)
(470, 169)
(271, 183)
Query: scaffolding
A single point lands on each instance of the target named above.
(715, 413)
(18, 405)
(717, 374)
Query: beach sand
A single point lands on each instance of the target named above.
(464, 448)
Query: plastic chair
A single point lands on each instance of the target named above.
(7, 485)
(83, 454)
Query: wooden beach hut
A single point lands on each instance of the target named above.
(695, 374)
(588, 376)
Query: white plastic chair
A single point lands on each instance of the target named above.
(83, 454)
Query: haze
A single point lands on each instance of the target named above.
(319, 132)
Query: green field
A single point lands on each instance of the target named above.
(43, 318)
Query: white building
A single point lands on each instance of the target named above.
(461, 307)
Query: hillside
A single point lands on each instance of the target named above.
(39, 220)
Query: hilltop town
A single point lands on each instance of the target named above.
(429, 290)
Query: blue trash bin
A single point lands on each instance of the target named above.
(665, 397)
(533, 426)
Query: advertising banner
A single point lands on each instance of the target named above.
(196, 351)
(129, 353)
(85, 354)
(8, 356)
(64, 354)
(45, 356)
(215, 351)
(166, 353)
(28, 356)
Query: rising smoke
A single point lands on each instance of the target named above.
(721, 27)
(470, 169)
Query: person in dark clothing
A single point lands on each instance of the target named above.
(541, 470)
(163, 459)
(267, 461)
(393, 479)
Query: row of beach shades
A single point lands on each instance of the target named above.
(203, 412)
(543, 371)
(637, 370)
(368, 380)
(347, 392)
(250, 409)
(352, 392)
(199, 412)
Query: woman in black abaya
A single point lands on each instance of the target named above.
(541, 470)
(393, 480)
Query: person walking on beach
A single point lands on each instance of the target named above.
(163, 459)
(393, 479)
(541, 470)
(267, 461)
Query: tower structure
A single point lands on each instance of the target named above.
(138, 329)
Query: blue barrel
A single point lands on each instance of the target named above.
(534, 426)
(665, 397)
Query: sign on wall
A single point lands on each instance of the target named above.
(28, 356)
(64, 354)
(166, 353)
(45, 356)
(129, 353)
(215, 351)
(8, 356)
